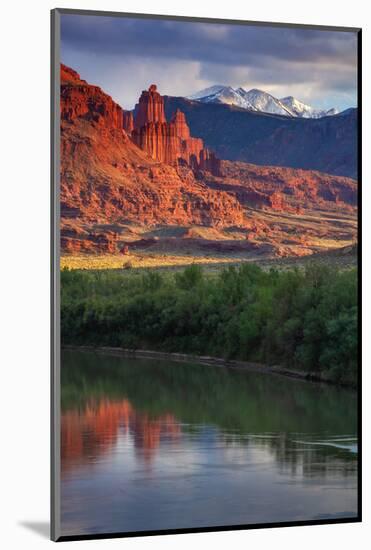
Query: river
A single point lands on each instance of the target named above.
(152, 445)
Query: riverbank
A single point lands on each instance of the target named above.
(303, 320)
(210, 361)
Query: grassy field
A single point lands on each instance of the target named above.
(139, 261)
(345, 257)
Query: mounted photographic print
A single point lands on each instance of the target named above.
(205, 247)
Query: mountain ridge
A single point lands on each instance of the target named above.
(327, 144)
(113, 191)
(259, 101)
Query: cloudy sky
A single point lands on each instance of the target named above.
(126, 55)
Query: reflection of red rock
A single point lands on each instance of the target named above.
(88, 433)
(93, 431)
(148, 432)
(168, 142)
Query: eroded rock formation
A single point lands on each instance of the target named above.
(150, 107)
(168, 142)
(284, 189)
(171, 178)
(107, 179)
(128, 122)
(83, 101)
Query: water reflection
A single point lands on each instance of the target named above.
(94, 430)
(150, 445)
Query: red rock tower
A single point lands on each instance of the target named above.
(128, 122)
(180, 124)
(209, 162)
(150, 107)
(168, 142)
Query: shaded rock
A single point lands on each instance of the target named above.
(128, 122)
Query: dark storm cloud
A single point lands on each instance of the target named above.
(319, 60)
(215, 43)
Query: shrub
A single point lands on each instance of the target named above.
(301, 319)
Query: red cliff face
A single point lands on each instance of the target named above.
(285, 189)
(180, 124)
(81, 100)
(161, 175)
(150, 107)
(169, 142)
(210, 163)
(158, 140)
(128, 122)
(107, 179)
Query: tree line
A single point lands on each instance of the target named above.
(302, 319)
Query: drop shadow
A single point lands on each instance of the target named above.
(42, 528)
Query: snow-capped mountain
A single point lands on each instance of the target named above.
(264, 102)
(300, 109)
(260, 101)
(223, 94)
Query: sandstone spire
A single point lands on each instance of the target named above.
(150, 107)
(169, 142)
(128, 122)
(180, 124)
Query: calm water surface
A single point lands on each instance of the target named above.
(150, 444)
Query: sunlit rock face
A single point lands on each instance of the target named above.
(81, 100)
(113, 172)
(168, 142)
(106, 177)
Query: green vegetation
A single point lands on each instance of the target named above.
(303, 319)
